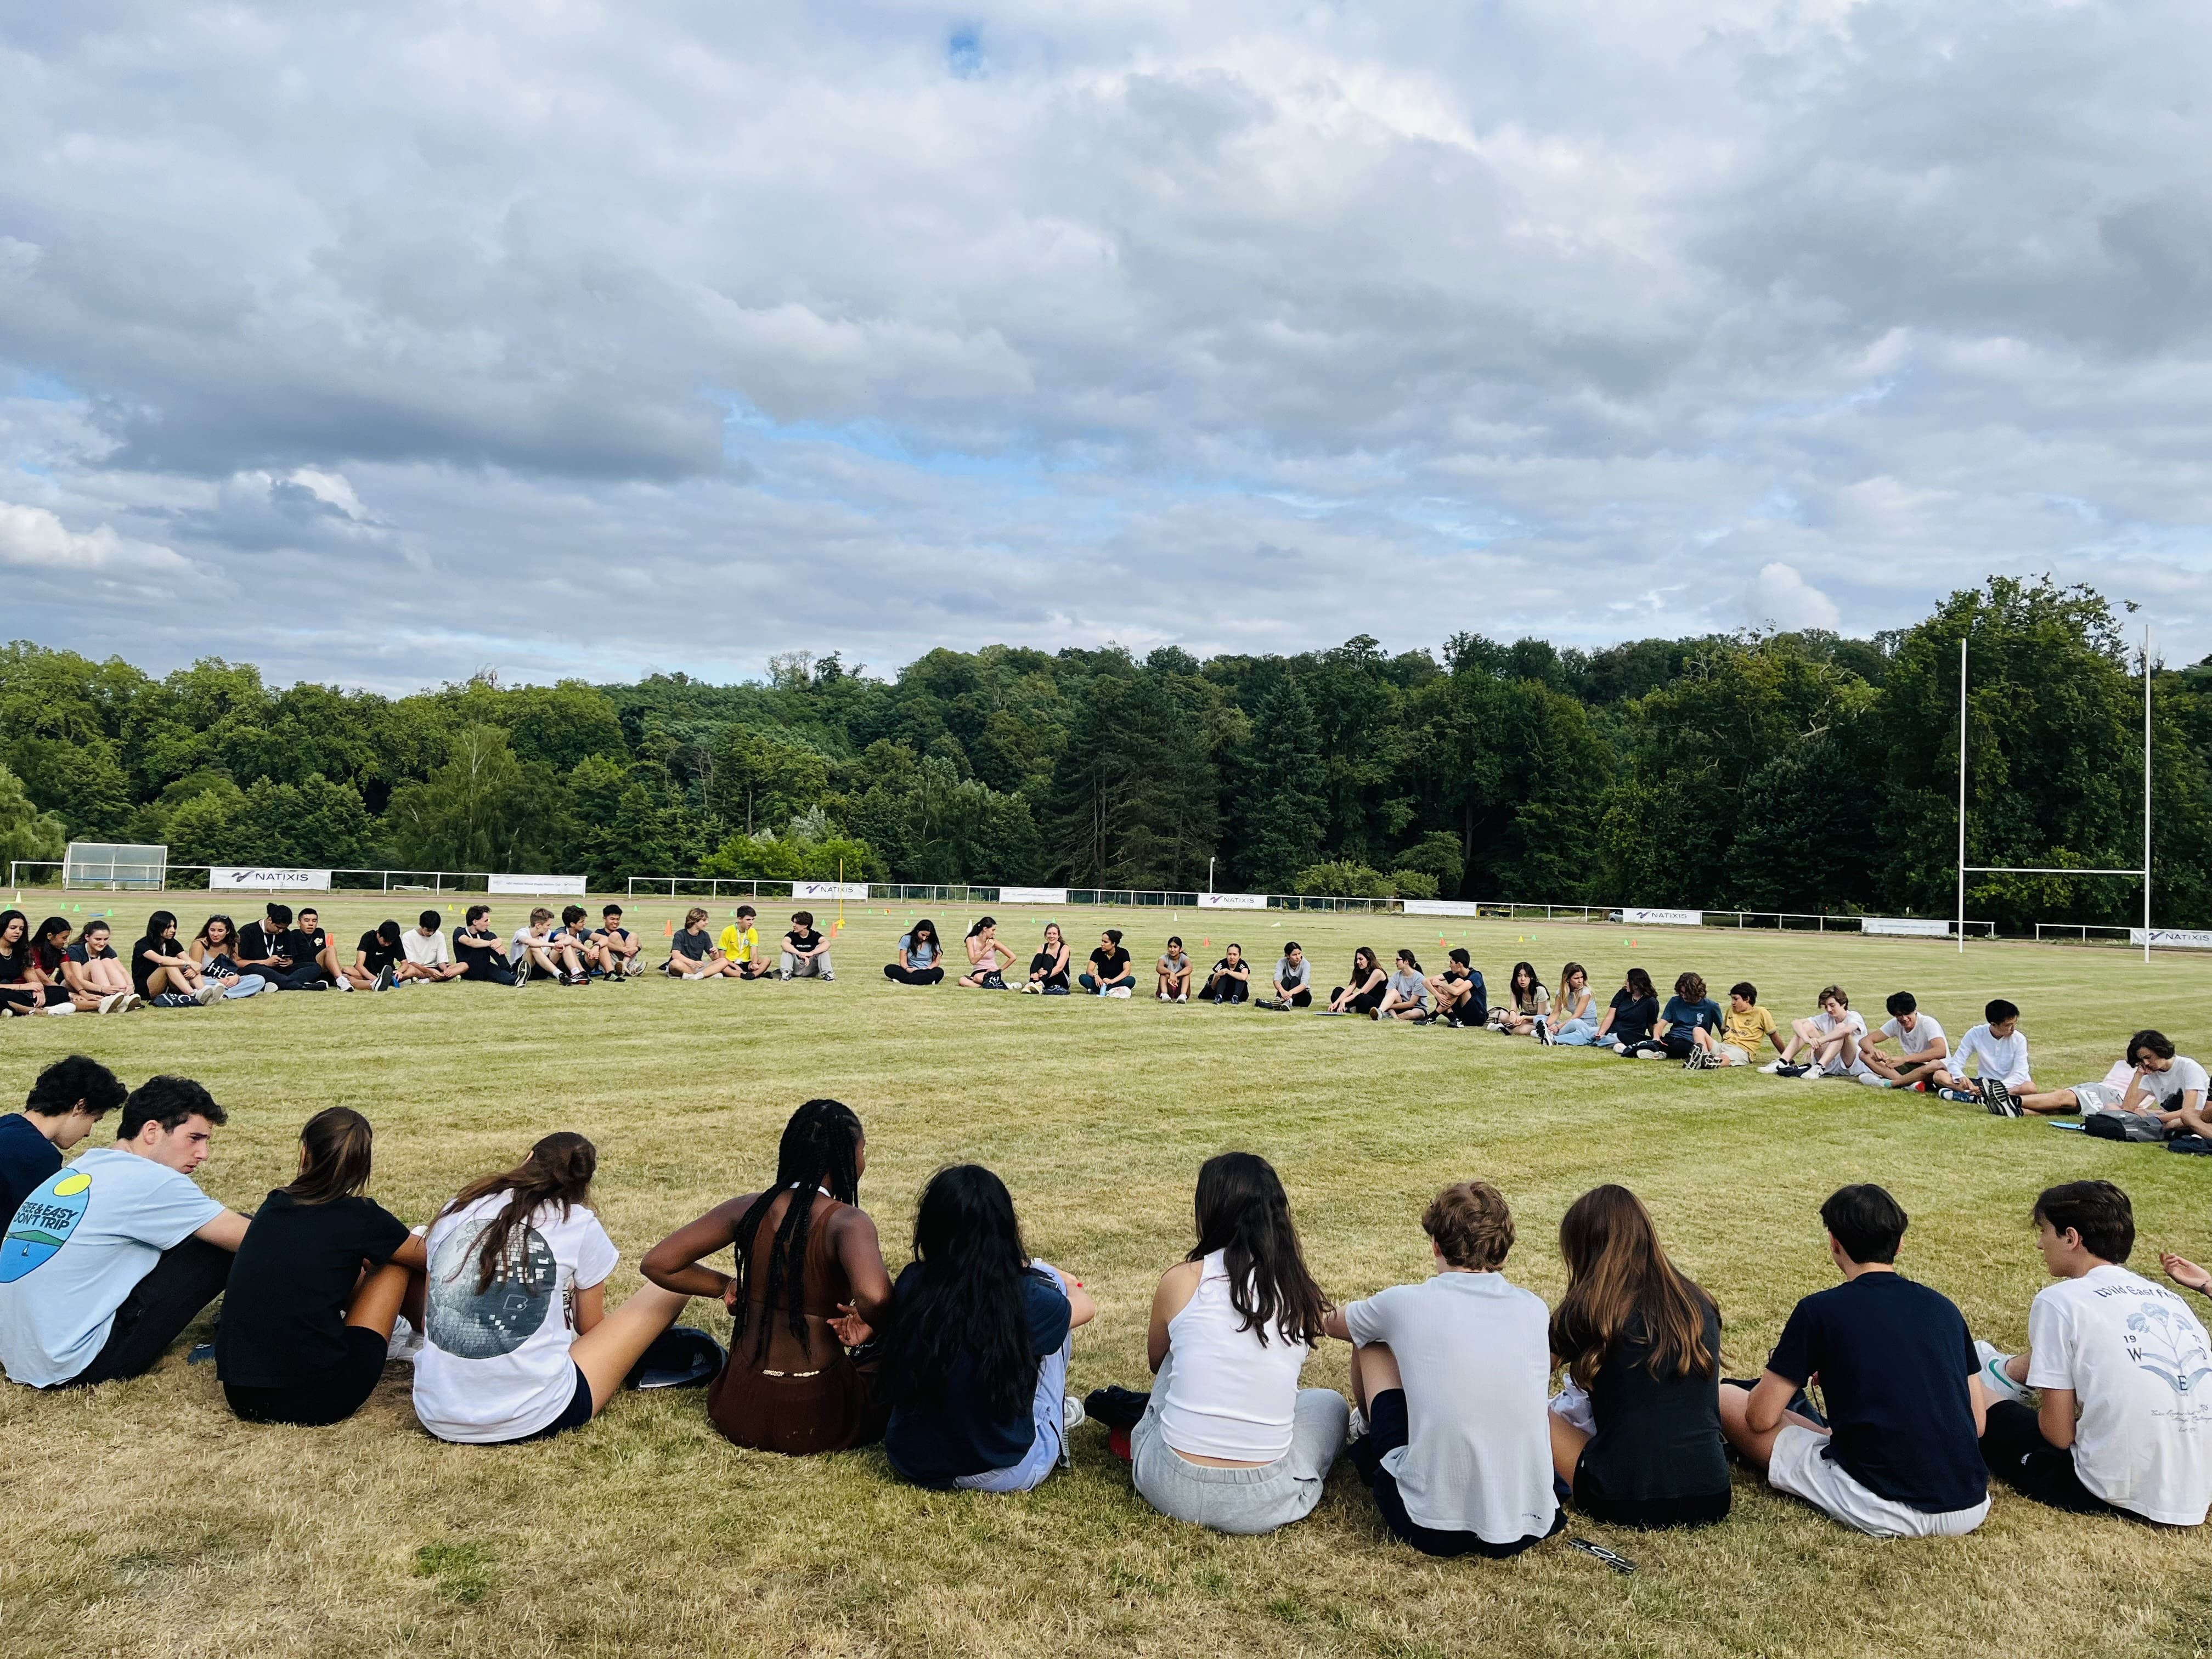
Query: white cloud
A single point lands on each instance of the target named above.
(33, 538)
(1782, 599)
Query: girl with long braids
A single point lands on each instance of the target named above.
(519, 1343)
(1229, 1440)
(981, 1337)
(809, 1285)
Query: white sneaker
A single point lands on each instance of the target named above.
(131, 1001)
(115, 1002)
(1994, 1378)
(1121, 990)
(208, 993)
(1033, 988)
(1872, 1082)
(1159, 996)
(406, 1342)
(344, 984)
(1184, 998)
(1072, 1414)
(1355, 1426)
(1770, 1068)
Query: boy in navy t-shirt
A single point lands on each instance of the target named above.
(1900, 1454)
(70, 1097)
(1690, 1025)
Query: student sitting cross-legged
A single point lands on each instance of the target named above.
(1526, 1009)
(162, 974)
(518, 1344)
(1637, 1429)
(1921, 1048)
(425, 958)
(979, 1345)
(1996, 1049)
(1049, 965)
(1746, 1028)
(1228, 1439)
(1900, 1456)
(1231, 979)
(214, 952)
(810, 1281)
(918, 949)
(65, 1104)
(1573, 1022)
(1293, 979)
(319, 1284)
(740, 944)
(106, 1262)
(376, 959)
(2163, 1095)
(1405, 993)
(1111, 973)
(988, 958)
(692, 953)
(2108, 1410)
(1362, 992)
(1451, 1376)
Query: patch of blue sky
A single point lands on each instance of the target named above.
(42, 387)
(963, 54)
(1467, 523)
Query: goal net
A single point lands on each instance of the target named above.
(114, 865)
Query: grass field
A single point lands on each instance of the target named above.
(145, 1520)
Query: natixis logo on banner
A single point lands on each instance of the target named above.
(267, 878)
(2172, 939)
(1648, 918)
(1033, 895)
(829, 890)
(1232, 901)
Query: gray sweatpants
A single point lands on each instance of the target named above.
(1252, 1500)
(799, 967)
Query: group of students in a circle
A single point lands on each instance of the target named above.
(959, 1365)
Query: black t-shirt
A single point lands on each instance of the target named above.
(1658, 1437)
(1894, 1357)
(465, 940)
(257, 944)
(142, 971)
(933, 1444)
(1631, 1016)
(693, 946)
(27, 1157)
(377, 956)
(303, 947)
(15, 965)
(283, 1315)
(803, 941)
(1110, 965)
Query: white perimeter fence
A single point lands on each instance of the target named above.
(437, 884)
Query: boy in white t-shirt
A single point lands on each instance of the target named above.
(1825, 1044)
(428, 956)
(2125, 1372)
(1921, 1048)
(1997, 1049)
(2165, 1090)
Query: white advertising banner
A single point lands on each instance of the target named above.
(1033, 895)
(1645, 918)
(1442, 907)
(1912, 927)
(2175, 939)
(1232, 901)
(533, 885)
(267, 878)
(829, 890)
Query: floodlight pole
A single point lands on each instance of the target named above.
(1962, 794)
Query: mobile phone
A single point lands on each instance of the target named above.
(1618, 1563)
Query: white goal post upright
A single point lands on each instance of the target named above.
(1967, 869)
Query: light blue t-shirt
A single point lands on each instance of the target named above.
(920, 953)
(79, 1244)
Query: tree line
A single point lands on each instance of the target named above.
(1800, 772)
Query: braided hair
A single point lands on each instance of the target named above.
(820, 1150)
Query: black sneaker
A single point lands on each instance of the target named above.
(1791, 1071)
(1544, 1032)
(1115, 1407)
(1999, 1100)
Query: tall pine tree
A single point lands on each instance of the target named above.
(1284, 809)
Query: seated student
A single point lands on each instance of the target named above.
(70, 1097)
(1997, 1049)
(1627, 1021)
(1573, 1019)
(517, 1341)
(317, 1286)
(1048, 967)
(1746, 1028)
(49, 969)
(1173, 972)
(1526, 1009)
(575, 939)
(265, 947)
(309, 943)
(2124, 1422)
(21, 991)
(1293, 978)
(1461, 998)
(740, 944)
(1451, 1376)
(806, 952)
(1363, 993)
(1688, 1025)
(1229, 1440)
(2163, 1095)
(1921, 1048)
(988, 958)
(1405, 993)
(108, 1260)
(425, 958)
(214, 949)
(1110, 974)
(1825, 1044)
(481, 953)
(810, 1281)
(1230, 980)
(620, 948)
(692, 953)
(91, 969)
(534, 952)
(161, 974)
(1900, 1456)
(1637, 1429)
(376, 959)
(980, 1340)
(918, 949)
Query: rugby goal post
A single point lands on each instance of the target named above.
(1967, 869)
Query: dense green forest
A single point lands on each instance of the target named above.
(1799, 772)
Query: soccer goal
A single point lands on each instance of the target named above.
(114, 865)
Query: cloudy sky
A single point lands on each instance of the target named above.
(380, 344)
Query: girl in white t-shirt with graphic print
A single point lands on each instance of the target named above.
(519, 1344)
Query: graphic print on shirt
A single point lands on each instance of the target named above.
(42, 1225)
(472, 1324)
(2163, 1342)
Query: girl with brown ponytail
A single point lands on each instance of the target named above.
(519, 1344)
(810, 1285)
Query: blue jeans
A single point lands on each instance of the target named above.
(1048, 1450)
(1579, 1032)
(248, 985)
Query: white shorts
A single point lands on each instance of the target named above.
(1798, 1469)
(2098, 1096)
(1733, 1055)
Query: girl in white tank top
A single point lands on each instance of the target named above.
(1226, 1395)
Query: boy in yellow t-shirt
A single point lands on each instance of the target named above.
(740, 944)
(1745, 1026)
